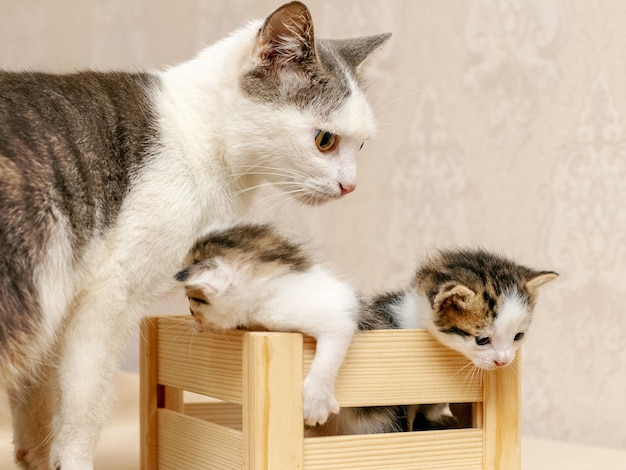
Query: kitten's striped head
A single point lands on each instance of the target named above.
(224, 269)
(481, 303)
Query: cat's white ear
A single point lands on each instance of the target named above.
(286, 37)
(537, 279)
(213, 278)
(453, 295)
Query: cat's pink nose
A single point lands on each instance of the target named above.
(346, 188)
(500, 363)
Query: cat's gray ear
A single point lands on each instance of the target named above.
(287, 37)
(539, 278)
(453, 295)
(355, 51)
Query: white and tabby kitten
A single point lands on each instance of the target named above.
(108, 179)
(473, 301)
(249, 276)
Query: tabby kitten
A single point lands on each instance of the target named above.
(108, 179)
(250, 276)
(473, 301)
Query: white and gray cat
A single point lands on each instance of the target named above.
(108, 179)
(473, 301)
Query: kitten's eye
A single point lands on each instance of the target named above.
(199, 300)
(325, 140)
(518, 336)
(362, 144)
(482, 341)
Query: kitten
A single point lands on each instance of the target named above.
(249, 276)
(473, 301)
(108, 179)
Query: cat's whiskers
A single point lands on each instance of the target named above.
(269, 171)
(469, 363)
(283, 198)
(47, 438)
(179, 329)
(192, 337)
(258, 186)
(384, 108)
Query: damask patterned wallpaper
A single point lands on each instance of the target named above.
(501, 125)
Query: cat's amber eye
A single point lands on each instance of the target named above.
(518, 336)
(482, 341)
(325, 140)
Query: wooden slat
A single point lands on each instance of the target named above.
(207, 363)
(402, 367)
(224, 414)
(420, 369)
(148, 400)
(430, 450)
(273, 424)
(501, 421)
(192, 444)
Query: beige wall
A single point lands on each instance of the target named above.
(501, 125)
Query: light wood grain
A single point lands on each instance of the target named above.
(207, 363)
(445, 450)
(273, 424)
(259, 423)
(501, 420)
(402, 366)
(224, 414)
(192, 444)
(148, 389)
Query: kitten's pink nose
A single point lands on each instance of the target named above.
(346, 188)
(500, 363)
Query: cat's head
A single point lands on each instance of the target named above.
(481, 304)
(304, 116)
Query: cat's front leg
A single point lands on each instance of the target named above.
(32, 403)
(90, 351)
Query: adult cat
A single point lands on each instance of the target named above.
(107, 179)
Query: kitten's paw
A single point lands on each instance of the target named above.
(317, 405)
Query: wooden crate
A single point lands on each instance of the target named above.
(254, 420)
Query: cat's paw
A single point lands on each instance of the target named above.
(318, 404)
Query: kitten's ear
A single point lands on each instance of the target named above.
(539, 278)
(286, 37)
(356, 50)
(453, 295)
(210, 277)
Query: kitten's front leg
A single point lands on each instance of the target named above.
(318, 389)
